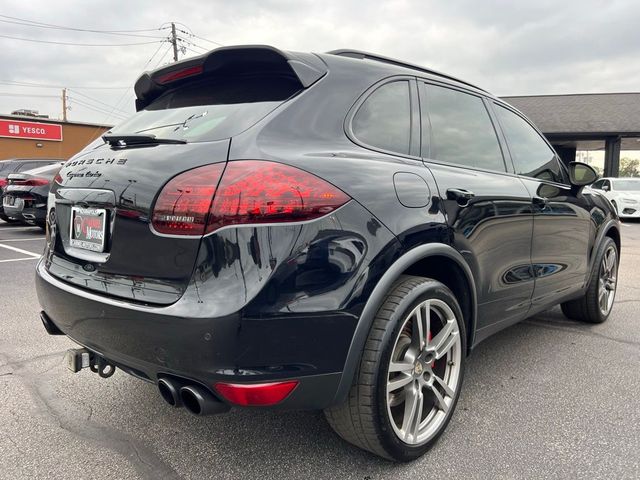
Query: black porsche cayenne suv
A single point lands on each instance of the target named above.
(334, 231)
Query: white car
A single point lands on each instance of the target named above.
(623, 193)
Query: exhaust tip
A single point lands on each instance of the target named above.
(192, 400)
(169, 392)
(199, 401)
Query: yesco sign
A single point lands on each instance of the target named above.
(30, 130)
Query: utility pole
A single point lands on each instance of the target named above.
(64, 105)
(174, 42)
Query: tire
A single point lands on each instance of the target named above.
(372, 418)
(589, 307)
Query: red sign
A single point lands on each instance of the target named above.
(30, 130)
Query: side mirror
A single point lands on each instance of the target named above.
(581, 174)
(605, 188)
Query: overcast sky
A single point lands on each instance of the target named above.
(506, 47)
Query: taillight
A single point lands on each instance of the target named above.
(256, 191)
(58, 179)
(257, 394)
(32, 182)
(184, 202)
(250, 192)
(3, 182)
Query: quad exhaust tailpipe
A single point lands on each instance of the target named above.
(196, 399)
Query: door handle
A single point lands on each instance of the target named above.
(460, 195)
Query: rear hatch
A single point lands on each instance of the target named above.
(102, 202)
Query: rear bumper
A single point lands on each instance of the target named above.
(151, 341)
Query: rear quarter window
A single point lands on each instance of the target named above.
(384, 119)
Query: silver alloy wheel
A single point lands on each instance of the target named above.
(607, 280)
(424, 372)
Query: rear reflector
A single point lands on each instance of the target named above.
(255, 191)
(184, 202)
(257, 394)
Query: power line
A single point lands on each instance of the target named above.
(95, 100)
(60, 27)
(207, 40)
(83, 44)
(80, 30)
(17, 83)
(8, 94)
(98, 109)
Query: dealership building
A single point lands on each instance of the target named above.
(37, 137)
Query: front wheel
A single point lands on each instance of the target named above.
(597, 302)
(410, 374)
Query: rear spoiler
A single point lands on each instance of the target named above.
(307, 68)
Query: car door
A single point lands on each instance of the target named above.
(488, 209)
(563, 232)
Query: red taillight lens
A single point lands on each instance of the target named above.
(58, 179)
(3, 182)
(257, 394)
(251, 191)
(180, 74)
(256, 191)
(184, 202)
(33, 182)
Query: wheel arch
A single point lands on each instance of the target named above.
(438, 261)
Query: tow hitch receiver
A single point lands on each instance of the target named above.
(79, 358)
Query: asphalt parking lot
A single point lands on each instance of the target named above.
(548, 398)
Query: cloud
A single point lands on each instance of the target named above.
(507, 47)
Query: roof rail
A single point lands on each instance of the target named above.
(391, 61)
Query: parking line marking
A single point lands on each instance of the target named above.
(20, 239)
(19, 250)
(18, 259)
(11, 229)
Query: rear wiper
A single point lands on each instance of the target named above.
(132, 139)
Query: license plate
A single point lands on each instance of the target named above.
(88, 228)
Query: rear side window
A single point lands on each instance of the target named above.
(210, 109)
(461, 130)
(384, 118)
(531, 154)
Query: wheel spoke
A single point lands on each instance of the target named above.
(414, 426)
(444, 386)
(445, 339)
(421, 323)
(440, 399)
(411, 406)
(401, 367)
(399, 382)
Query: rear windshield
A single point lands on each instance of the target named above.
(4, 165)
(209, 110)
(46, 171)
(627, 185)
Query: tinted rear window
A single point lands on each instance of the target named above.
(4, 166)
(45, 171)
(209, 110)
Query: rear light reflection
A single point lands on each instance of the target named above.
(257, 394)
(32, 182)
